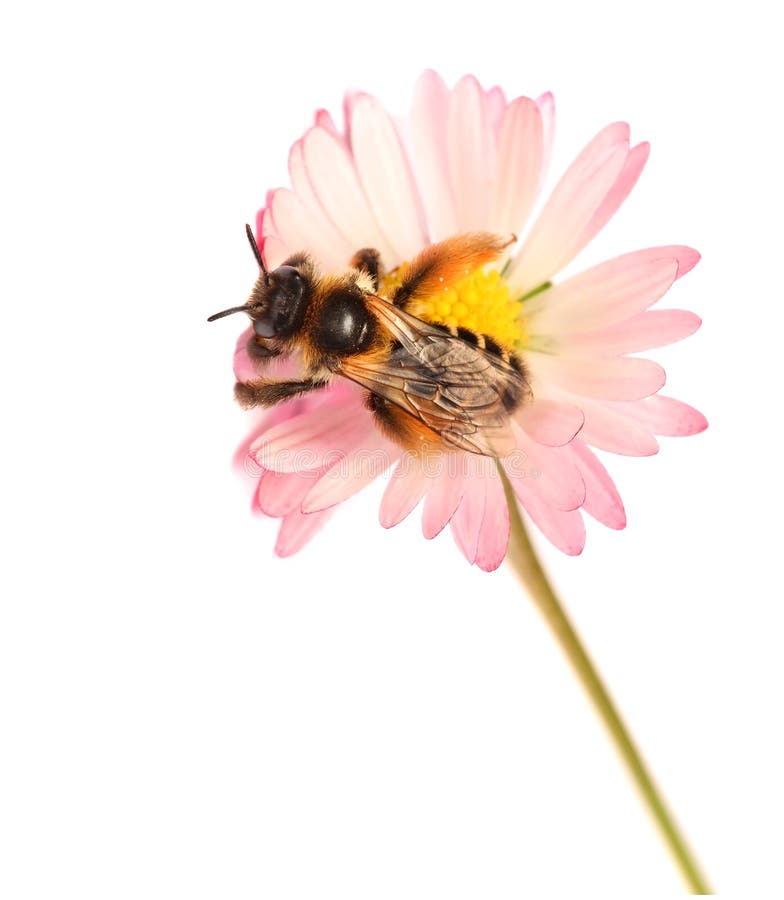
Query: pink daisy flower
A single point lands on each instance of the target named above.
(467, 160)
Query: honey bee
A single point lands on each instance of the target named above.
(428, 386)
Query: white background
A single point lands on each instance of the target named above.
(185, 715)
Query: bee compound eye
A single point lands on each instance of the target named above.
(288, 280)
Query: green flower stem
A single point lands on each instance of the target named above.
(525, 563)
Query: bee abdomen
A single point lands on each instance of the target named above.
(400, 426)
(514, 395)
(486, 343)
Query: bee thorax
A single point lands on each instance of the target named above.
(345, 325)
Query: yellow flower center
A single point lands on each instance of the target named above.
(480, 302)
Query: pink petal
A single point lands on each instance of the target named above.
(602, 500)
(555, 236)
(604, 378)
(467, 521)
(495, 101)
(551, 422)
(687, 257)
(518, 175)
(428, 137)
(332, 250)
(635, 163)
(245, 368)
(243, 462)
(545, 471)
(666, 416)
(566, 530)
(471, 161)
(608, 429)
(546, 104)
(274, 251)
(323, 119)
(494, 532)
(300, 182)
(263, 421)
(443, 498)
(348, 476)
(297, 529)
(299, 228)
(317, 438)
(406, 488)
(335, 183)
(349, 100)
(386, 178)
(279, 494)
(264, 225)
(655, 328)
(603, 295)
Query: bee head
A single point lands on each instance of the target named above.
(276, 305)
(277, 302)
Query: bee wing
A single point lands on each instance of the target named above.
(454, 388)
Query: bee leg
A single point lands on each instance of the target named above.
(368, 261)
(257, 350)
(268, 393)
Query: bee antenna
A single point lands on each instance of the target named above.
(228, 312)
(257, 253)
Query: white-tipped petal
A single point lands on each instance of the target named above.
(429, 117)
(556, 235)
(471, 155)
(386, 177)
(519, 166)
(336, 184)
